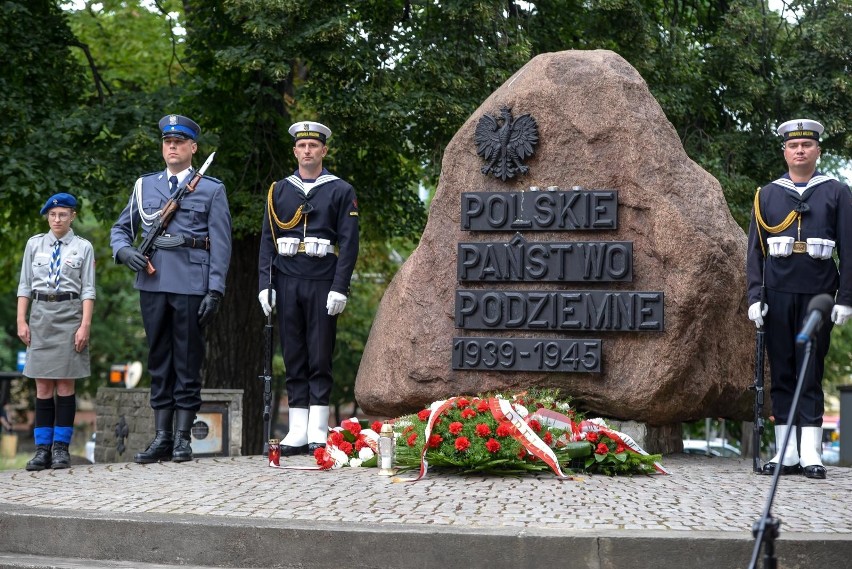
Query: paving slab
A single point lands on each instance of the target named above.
(238, 512)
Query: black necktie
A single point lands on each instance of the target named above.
(173, 181)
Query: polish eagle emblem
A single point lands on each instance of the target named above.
(504, 143)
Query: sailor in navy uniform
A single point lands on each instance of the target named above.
(58, 277)
(308, 249)
(799, 221)
(184, 292)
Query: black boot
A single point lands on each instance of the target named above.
(161, 447)
(41, 460)
(182, 451)
(61, 456)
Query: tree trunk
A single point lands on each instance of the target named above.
(235, 348)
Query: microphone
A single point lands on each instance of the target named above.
(819, 309)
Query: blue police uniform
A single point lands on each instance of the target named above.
(190, 262)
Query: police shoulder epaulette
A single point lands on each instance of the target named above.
(211, 178)
(37, 236)
(151, 174)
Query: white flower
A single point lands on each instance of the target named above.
(338, 456)
(355, 462)
(366, 453)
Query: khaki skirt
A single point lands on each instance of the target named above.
(51, 354)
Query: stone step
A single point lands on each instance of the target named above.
(22, 561)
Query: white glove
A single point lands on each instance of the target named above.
(336, 303)
(263, 297)
(755, 314)
(840, 314)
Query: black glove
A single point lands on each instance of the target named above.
(129, 256)
(209, 307)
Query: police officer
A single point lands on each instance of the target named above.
(308, 249)
(183, 293)
(799, 221)
(58, 275)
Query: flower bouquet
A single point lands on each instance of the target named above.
(527, 432)
(349, 445)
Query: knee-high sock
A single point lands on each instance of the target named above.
(66, 410)
(45, 415)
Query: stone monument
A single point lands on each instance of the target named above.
(585, 251)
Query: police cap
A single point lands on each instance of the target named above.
(179, 126)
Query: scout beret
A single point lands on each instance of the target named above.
(59, 200)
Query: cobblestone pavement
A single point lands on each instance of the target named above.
(700, 494)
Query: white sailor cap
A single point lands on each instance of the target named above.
(801, 128)
(309, 129)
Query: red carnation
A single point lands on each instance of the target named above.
(346, 447)
(335, 438)
(360, 443)
(462, 444)
(412, 438)
(424, 414)
(482, 405)
(534, 425)
(492, 445)
(324, 460)
(435, 441)
(619, 448)
(468, 413)
(352, 426)
(376, 426)
(456, 427)
(407, 429)
(483, 430)
(504, 429)
(548, 438)
(461, 402)
(592, 437)
(602, 449)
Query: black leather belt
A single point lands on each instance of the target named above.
(62, 296)
(196, 243)
(167, 241)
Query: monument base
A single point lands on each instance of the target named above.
(125, 423)
(654, 439)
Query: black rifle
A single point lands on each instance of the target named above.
(267, 370)
(159, 228)
(760, 342)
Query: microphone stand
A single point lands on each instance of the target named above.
(766, 529)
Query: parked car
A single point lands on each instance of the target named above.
(718, 447)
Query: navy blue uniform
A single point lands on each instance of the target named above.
(303, 282)
(791, 282)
